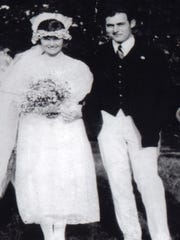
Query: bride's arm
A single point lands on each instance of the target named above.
(82, 82)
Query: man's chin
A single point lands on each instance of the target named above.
(118, 39)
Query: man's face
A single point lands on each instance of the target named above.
(118, 27)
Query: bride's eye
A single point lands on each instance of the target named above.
(50, 38)
(46, 38)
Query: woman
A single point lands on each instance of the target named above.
(5, 61)
(55, 180)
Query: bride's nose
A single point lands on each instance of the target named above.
(51, 42)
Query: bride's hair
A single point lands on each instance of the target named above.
(51, 25)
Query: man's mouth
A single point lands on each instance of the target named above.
(117, 34)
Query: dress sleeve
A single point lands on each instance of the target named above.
(81, 82)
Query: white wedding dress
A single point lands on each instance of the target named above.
(55, 177)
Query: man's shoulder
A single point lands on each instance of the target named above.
(148, 48)
(141, 45)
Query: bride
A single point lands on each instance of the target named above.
(40, 104)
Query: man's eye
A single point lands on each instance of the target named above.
(121, 24)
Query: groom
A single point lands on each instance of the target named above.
(132, 92)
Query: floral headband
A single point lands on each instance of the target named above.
(62, 33)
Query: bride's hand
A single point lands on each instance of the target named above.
(71, 113)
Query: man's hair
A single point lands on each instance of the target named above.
(110, 9)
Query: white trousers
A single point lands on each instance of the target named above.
(123, 156)
(53, 232)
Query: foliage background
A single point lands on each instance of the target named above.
(157, 20)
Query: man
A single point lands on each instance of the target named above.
(132, 91)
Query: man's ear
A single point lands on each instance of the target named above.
(133, 23)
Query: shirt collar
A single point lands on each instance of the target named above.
(126, 46)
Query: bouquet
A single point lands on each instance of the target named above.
(45, 97)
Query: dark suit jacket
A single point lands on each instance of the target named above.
(147, 89)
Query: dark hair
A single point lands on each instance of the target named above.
(109, 9)
(51, 25)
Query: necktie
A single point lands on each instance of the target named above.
(120, 52)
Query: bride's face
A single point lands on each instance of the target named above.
(52, 45)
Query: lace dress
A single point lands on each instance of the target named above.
(55, 175)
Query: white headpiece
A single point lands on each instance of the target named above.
(62, 33)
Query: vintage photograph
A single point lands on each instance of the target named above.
(89, 120)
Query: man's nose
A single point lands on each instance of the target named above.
(116, 28)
